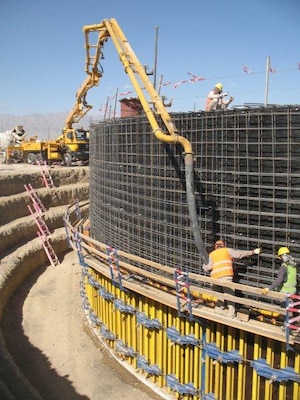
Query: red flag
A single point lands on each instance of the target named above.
(125, 93)
(175, 86)
(166, 84)
(273, 70)
(246, 69)
(195, 78)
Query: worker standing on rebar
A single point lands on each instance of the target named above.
(215, 99)
(220, 265)
(286, 280)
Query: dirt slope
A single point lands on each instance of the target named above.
(45, 331)
(48, 336)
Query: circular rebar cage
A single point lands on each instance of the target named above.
(246, 182)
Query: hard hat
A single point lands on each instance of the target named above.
(283, 250)
(219, 243)
(219, 86)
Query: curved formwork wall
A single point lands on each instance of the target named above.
(247, 186)
(187, 358)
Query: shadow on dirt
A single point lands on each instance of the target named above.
(31, 361)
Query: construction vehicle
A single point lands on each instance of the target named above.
(153, 106)
(71, 145)
(65, 149)
(12, 137)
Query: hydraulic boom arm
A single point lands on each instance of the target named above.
(110, 29)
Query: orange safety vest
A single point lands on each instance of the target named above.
(222, 263)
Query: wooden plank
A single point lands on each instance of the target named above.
(169, 281)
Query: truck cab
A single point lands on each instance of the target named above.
(74, 145)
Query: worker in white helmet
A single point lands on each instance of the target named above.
(215, 99)
(286, 280)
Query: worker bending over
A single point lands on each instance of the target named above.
(220, 265)
(215, 99)
(286, 280)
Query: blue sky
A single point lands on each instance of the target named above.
(43, 56)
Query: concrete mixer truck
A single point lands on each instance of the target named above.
(13, 137)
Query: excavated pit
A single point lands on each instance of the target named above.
(47, 350)
(21, 250)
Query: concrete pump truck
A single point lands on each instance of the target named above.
(152, 104)
(71, 146)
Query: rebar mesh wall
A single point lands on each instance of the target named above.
(247, 185)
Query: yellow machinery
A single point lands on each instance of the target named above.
(71, 145)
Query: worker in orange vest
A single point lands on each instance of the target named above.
(220, 265)
(215, 99)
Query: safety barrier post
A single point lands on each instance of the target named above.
(77, 241)
(183, 292)
(292, 308)
(114, 266)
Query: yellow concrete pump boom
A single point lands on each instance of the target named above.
(149, 98)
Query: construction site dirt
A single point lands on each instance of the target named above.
(46, 333)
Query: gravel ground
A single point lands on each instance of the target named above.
(17, 168)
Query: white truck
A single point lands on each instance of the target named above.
(12, 137)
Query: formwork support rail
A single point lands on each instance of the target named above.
(150, 295)
(199, 284)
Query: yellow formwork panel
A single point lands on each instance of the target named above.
(197, 358)
(296, 386)
(255, 377)
(103, 305)
(146, 344)
(141, 331)
(188, 354)
(161, 344)
(208, 362)
(113, 320)
(283, 364)
(218, 367)
(121, 334)
(232, 380)
(241, 376)
(270, 360)
(170, 350)
(156, 337)
(133, 330)
(230, 367)
(152, 335)
(177, 367)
